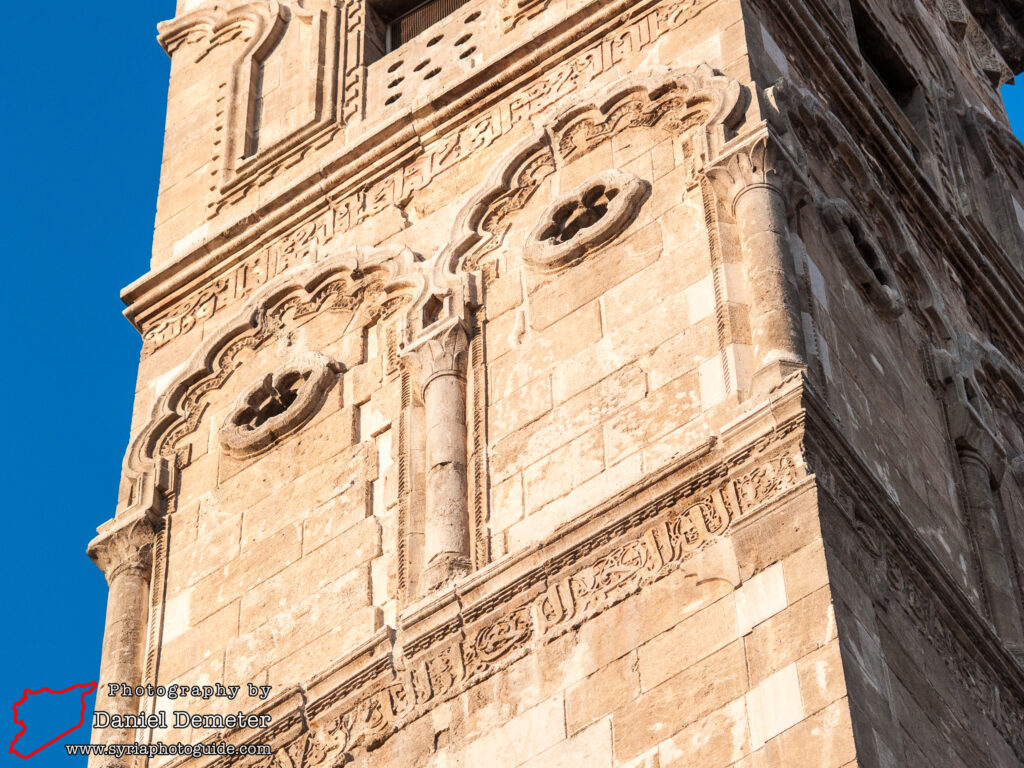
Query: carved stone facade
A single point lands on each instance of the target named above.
(604, 383)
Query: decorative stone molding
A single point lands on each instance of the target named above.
(257, 29)
(396, 176)
(825, 131)
(368, 281)
(699, 104)
(985, 56)
(517, 11)
(343, 58)
(442, 353)
(278, 404)
(761, 165)
(967, 370)
(861, 255)
(124, 552)
(909, 575)
(490, 621)
(584, 219)
(257, 23)
(254, 27)
(983, 463)
(749, 183)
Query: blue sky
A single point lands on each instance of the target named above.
(83, 123)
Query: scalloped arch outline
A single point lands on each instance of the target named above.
(676, 100)
(401, 277)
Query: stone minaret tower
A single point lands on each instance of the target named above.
(605, 383)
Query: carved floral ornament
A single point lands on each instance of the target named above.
(278, 404)
(127, 545)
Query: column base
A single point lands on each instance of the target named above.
(444, 568)
(772, 374)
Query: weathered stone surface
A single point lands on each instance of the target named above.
(585, 383)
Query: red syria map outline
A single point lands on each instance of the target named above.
(89, 688)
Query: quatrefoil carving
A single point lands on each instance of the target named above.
(585, 218)
(278, 404)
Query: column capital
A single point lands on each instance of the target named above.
(125, 546)
(1017, 468)
(442, 352)
(761, 162)
(975, 440)
(971, 426)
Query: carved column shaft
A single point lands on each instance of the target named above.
(440, 361)
(125, 556)
(770, 276)
(124, 639)
(1003, 605)
(447, 535)
(748, 184)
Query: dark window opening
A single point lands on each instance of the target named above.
(887, 65)
(396, 22)
(432, 311)
(866, 249)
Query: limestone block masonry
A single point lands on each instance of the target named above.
(606, 383)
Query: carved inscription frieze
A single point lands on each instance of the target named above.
(563, 80)
(517, 11)
(766, 481)
(590, 574)
(305, 244)
(571, 590)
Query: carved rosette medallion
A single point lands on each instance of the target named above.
(584, 219)
(278, 404)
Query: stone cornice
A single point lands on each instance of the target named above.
(1003, 23)
(380, 147)
(990, 274)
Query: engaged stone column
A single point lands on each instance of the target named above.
(440, 363)
(124, 554)
(749, 186)
(979, 490)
